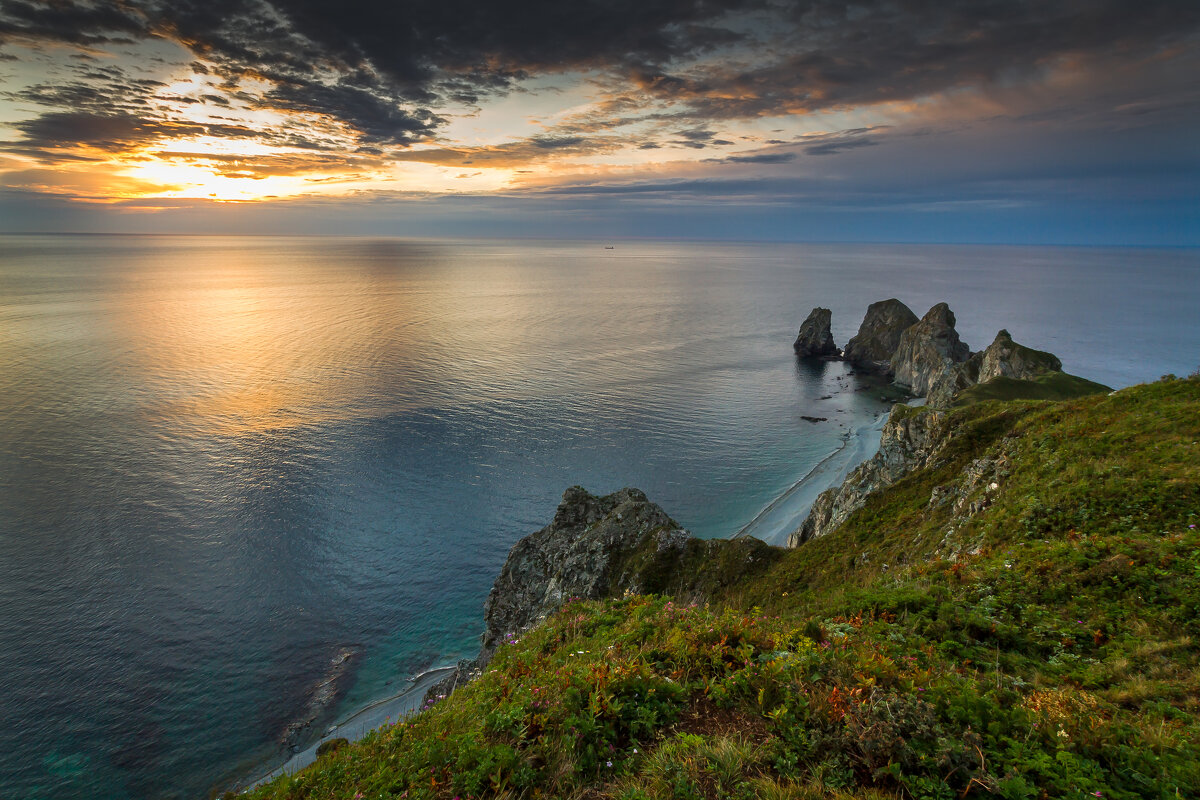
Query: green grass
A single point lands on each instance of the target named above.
(1047, 646)
(1051, 386)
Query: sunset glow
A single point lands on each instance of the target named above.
(804, 111)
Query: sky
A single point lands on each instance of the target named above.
(1012, 121)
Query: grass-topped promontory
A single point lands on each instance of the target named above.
(1047, 644)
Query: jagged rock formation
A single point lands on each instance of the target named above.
(1002, 358)
(914, 438)
(879, 335)
(584, 552)
(909, 439)
(928, 350)
(579, 554)
(602, 547)
(815, 339)
(1005, 357)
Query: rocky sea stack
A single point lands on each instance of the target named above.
(815, 340)
(927, 350)
(879, 335)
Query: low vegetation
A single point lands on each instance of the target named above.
(1047, 644)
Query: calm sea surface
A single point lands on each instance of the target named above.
(225, 460)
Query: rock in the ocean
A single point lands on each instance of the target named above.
(815, 338)
(1002, 358)
(928, 350)
(879, 335)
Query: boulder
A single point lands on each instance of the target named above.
(815, 339)
(879, 335)
(928, 350)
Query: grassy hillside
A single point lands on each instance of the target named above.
(1022, 619)
(1051, 386)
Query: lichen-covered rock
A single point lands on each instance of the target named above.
(815, 339)
(879, 335)
(1002, 358)
(579, 554)
(928, 350)
(909, 439)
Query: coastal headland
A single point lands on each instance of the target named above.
(1002, 600)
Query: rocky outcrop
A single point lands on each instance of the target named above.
(599, 547)
(909, 439)
(815, 340)
(928, 350)
(913, 438)
(1005, 357)
(584, 552)
(879, 335)
(580, 554)
(1002, 358)
(322, 698)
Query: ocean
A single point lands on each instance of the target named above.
(227, 462)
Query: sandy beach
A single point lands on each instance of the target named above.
(786, 513)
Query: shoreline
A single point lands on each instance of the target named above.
(358, 724)
(783, 515)
(770, 524)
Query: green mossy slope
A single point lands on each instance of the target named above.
(1046, 644)
(1051, 386)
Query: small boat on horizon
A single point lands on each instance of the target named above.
(609, 247)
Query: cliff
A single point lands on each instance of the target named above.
(910, 438)
(597, 547)
(914, 438)
(585, 552)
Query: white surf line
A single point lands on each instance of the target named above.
(851, 446)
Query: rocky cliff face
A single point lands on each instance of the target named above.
(584, 552)
(815, 339)
(879, 335)
(928, 350)
(602, 547)
(580, 554)
(909, 440)
(1002, 358)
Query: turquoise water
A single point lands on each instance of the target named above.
(224, 460)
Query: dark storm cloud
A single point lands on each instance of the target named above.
(760, 158)
(80, 23)
(384, 67)
(836, 55)
(112, 132)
